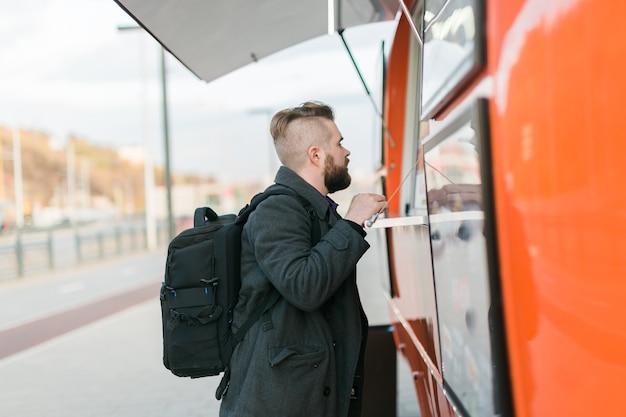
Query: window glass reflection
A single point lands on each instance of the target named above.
(451, 51)
(460, 267)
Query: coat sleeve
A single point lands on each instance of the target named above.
(305, 275)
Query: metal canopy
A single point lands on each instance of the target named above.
(214, 37)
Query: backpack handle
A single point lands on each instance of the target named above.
(203, 215)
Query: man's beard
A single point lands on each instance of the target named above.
(336, 177)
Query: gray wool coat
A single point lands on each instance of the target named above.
(305, 361)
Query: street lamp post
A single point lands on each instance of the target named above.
(166, 147)
(166, 143)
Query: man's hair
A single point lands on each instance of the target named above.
(295, 129)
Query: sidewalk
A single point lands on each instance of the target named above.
(109, 368)
(113, 367)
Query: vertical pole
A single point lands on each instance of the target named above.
(151, 229)
(85, 185)
(50, 248)
(2, 190)
(148, 169)
(79, 252)
(17, 178)
(19, 254)
(166, 144)
(118, 239)
(71, 181)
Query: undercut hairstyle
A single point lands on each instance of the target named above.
(296, 129)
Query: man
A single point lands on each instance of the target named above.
(307, 358)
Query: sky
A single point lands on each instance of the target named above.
(66, 69)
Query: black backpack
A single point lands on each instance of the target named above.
(201, 288)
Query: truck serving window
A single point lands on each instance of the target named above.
(466, 283)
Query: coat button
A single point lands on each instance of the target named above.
(326, 391)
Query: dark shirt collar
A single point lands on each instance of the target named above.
(332, 204)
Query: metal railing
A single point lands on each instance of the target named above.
(31, 251)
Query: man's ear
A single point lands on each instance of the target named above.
(316, 155)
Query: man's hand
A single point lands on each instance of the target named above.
(364, 206)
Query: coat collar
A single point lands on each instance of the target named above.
(289, 178)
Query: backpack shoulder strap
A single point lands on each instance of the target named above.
(274, 295)
(316, 234)
(278, 189)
